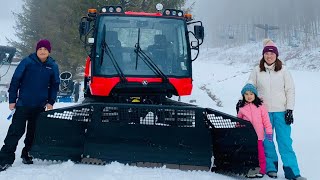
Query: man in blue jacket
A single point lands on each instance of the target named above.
(33, 89)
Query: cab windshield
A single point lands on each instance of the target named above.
(163, 40)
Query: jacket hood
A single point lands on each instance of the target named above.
(271, 67)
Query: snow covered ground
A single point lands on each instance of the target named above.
(220, 74)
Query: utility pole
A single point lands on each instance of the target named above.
(266, 28)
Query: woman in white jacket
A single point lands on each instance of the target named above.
(276, 87)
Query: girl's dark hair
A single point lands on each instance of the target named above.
(257, 101)
(277, 65)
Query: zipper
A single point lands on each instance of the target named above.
(269, 93)
(251, 113)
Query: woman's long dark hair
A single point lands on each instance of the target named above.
(277, 65)
(257, 101)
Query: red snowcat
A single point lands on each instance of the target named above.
(136, 62)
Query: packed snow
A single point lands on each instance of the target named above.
(218, 79)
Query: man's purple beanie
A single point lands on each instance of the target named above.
(44, 43)
(269, 46)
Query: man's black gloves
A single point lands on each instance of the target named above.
(238, 105)
(289, 116)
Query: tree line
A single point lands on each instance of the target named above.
(235, 22)
(58, 21)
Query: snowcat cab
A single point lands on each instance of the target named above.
(134, 56)
(136, 62)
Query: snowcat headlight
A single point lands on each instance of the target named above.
(104, 10)
(167, 12)
(118, 9)
(180, 13)
(111, 9)
(159, 7)
(174, 13)
(90, 40)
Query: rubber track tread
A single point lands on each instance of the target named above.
(93, 161)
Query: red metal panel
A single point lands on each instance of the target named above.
(87, 70)
(140, 80)
(102, 86)
(183, 85)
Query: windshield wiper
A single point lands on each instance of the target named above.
(137, 47)
(106, 50)
(149, 62)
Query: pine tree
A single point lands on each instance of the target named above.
(58, 21)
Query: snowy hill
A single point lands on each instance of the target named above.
(219, 75)
(297, 58)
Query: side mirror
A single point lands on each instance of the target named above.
(199, 32)
(84, 27)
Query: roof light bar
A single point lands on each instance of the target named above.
(111, 9)
(173, 12)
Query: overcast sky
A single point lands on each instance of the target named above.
(7, 20)
(213, 13)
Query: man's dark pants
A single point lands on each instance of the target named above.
(16, 130)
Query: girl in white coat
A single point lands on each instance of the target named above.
(276, 87)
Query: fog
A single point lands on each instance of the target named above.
(232, 18)
(229, 21)
(7, 19)
(244, 11)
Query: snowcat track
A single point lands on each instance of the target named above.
(95, 161)
(170, 166)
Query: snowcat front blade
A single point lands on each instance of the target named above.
(149, 135)
(60, 133)
(235, 148)
(142, 135)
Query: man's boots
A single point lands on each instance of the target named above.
(26, 158)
